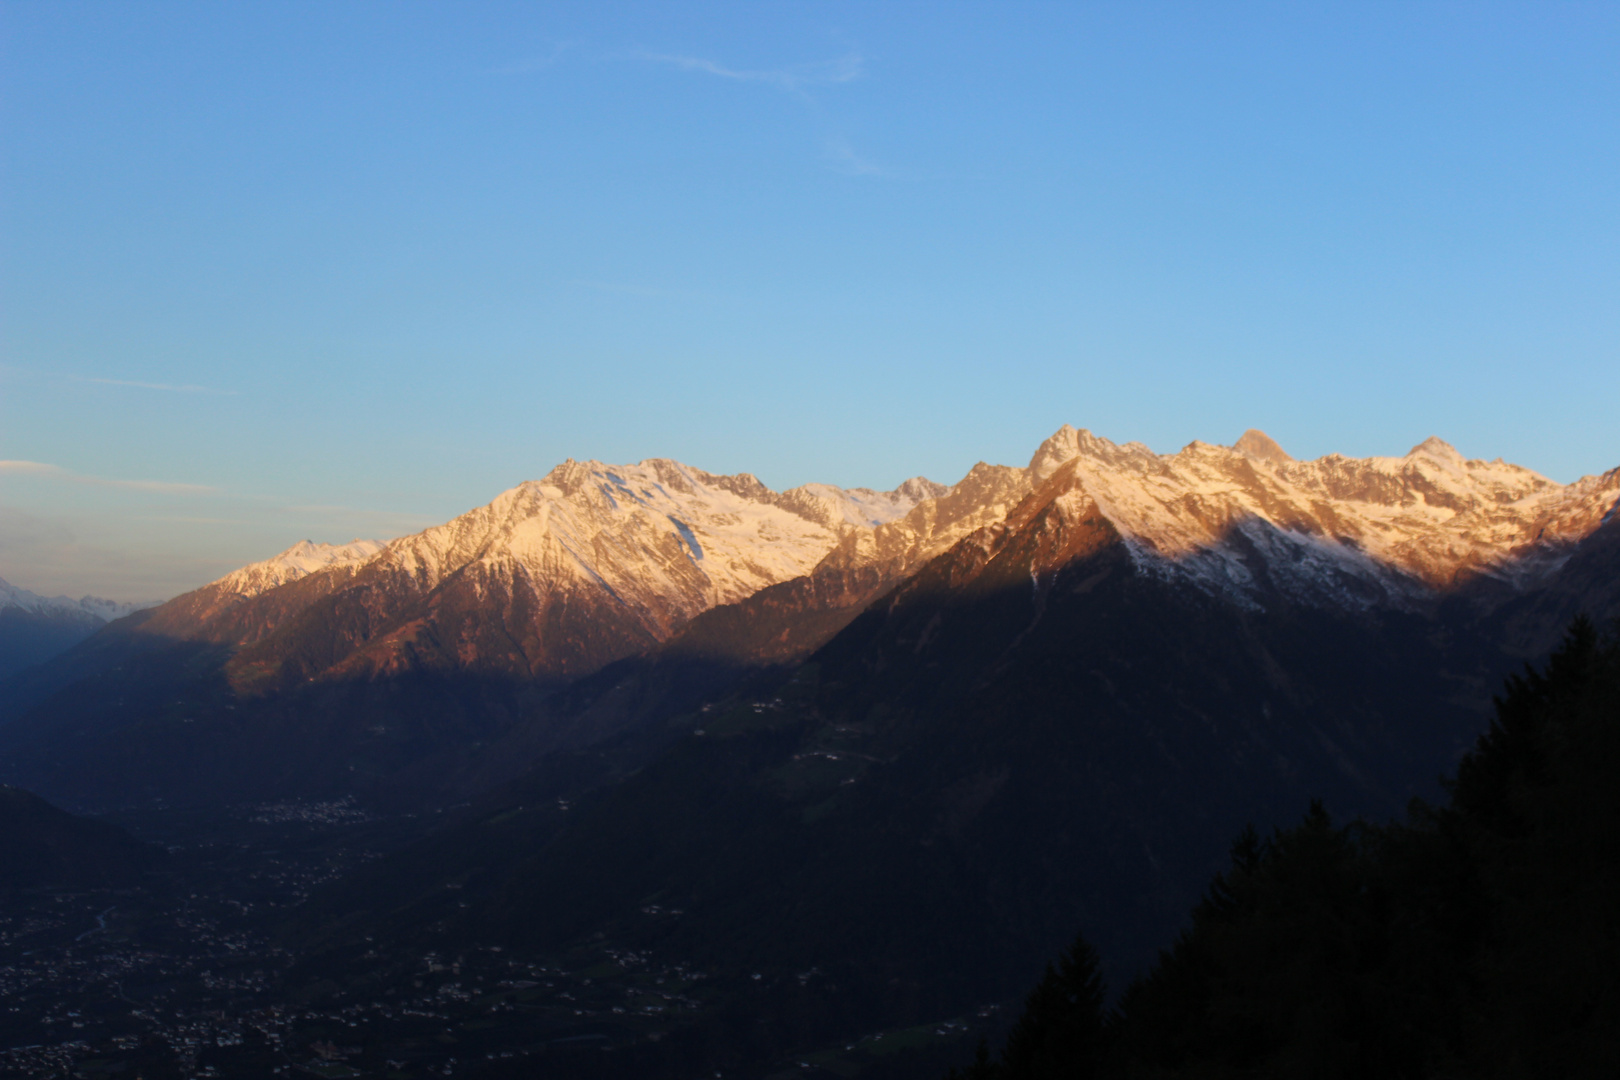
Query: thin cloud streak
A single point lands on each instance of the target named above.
(170, 388)
(534, 63)
(793, 78)
(845, 160)
(411, 522)
(28, 467)
(56, 472)
(640, 290)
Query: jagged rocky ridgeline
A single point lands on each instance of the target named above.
(1059, 720)
(595, 562)
(595, 565)
(553, 580)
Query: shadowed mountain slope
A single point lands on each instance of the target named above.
(1470, 939)
(43, 847)
(601, 598)
(34, 628)
(387, 669)
(1039, 730)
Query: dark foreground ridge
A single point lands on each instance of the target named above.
(42, 847)
(1476, 939)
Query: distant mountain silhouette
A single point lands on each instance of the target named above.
(34, 628)
(44, 847)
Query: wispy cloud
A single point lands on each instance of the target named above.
(171, 388)
(641, 290)
(845, 160)
(538, 62)
(194, 520)
(796, 80)
(26, 468)
(400, 522)
(56, 472)
(793, 78)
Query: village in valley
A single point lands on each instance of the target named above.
(188, 978)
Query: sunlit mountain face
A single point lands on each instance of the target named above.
(782, 770)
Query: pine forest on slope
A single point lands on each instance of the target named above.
(1471, 939)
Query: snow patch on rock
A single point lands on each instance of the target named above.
(1336, 531)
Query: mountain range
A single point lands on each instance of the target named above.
(914, 739)
(34, 628)
(434, 665)
(1058, 720)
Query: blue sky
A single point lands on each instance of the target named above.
(330, 270)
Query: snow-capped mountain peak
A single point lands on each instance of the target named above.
(594, 562)
(302, 559)
(13, 596)
(1438, 449)
(556, 576)
(664, 539)
(34, 628)
(1337, 529)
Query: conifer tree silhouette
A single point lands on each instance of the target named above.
(981, 1069)
(1061, 1031)
(1476, 939)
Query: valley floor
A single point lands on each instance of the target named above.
(189, 976)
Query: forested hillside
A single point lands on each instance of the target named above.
(1476, 939)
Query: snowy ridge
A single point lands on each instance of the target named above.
(595, 562)
(12, 596)
(1342, 531)
(860, 507)
(300, 560)
(981, 499)
(662, 539)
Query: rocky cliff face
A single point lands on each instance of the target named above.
(788, 621)
(1246, 523)
(1336, 531)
